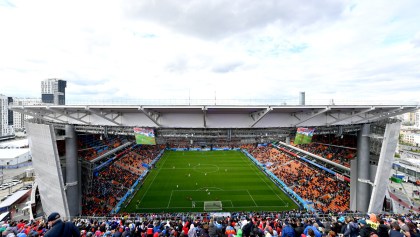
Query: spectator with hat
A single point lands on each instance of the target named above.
(365, 229)
(60, 228)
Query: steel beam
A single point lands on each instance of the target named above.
(382, 115)
(353, 115)
(257, 116)
(312, 116)
(44, 114)
(100, 114)
(151, 115)
(394, 113)
(65, 113)
(35, 115)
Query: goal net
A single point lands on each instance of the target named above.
(212, 206)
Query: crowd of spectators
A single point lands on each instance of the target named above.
(138, 157)
(312, 184)
(221, 143)
(108, 186)
(246, 224)
(347, 140)
(113, 182)
(340, 155)
(267, 155)
(92, 146)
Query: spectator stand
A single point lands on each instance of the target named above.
(204, 149)
(93, 165)
(339, 154)
(111, 152)
(296, 198)
(116, 179)
(136, 186)
(326, 194)
(297, 152)
(314, 185)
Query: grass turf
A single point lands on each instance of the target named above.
(182, 179)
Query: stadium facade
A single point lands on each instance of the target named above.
(59, 176)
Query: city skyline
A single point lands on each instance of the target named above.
(341, 50)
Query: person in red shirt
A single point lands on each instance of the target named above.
(20, 225)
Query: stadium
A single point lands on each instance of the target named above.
(190, 119)
(98, 160)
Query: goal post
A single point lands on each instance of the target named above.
(213, 205)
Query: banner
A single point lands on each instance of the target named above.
(304, 135)
(145, 136)
(342, 177)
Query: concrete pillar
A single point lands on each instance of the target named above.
(353, 185)
(72, 189)
(363, 189)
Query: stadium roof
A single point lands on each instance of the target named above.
(214, 116)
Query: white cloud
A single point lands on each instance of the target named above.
(346, 50)
(217, 18)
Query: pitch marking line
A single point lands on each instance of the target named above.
(210, 189)
(231, 203)
(269, 186)
(154, 208)
(150, 185)
(252, 198)
(170, 198)
(201, 190)
(169, 207)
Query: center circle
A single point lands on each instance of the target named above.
(206, 168)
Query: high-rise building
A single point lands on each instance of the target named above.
(409, 119)
(6, 116)
(53, 91)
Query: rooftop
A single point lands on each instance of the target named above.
(12, 199)
(15, 143)
(12, 153)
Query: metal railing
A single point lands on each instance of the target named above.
(278, 102)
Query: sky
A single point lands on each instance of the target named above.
(194, 49)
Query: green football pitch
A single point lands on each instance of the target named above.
(184, 181)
